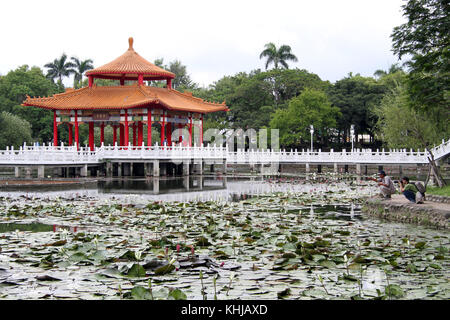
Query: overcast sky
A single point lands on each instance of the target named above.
(212, 38)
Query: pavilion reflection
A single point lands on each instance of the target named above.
(156, 185)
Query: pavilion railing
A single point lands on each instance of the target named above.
(65, 155)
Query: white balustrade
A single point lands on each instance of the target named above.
(64, 155)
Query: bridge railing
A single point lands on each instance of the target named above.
(47, 155)
(69, 155)
(355, 156)
(174, 152)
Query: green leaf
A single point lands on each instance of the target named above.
(177, 294)
(327, 264)
(77, 257)
(140, 293)
(394, 290)
(136, 271)
(165, 269)
(420, 245)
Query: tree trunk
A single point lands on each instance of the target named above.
(435, 170)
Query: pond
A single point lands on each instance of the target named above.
(235, 238)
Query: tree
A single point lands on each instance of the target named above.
(81, 66)
(277, 56)
(402, 127)
(15, 86)
(182, 79)
(14, 131)
(355, 96)
(60, 68)
(426, 38)
(284, 84)
(393, 69)
(312, 107)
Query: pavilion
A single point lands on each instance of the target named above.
(128, 106)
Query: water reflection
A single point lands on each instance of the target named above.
(189, 188)
(37, 227)
(33, 227)
(161, 185)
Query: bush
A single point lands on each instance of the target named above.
(14, 131)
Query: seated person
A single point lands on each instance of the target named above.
(408, 189)
(386, 185)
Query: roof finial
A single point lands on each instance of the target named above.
(130, 43)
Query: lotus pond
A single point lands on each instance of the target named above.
(289, 239)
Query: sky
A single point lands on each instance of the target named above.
(212, 38)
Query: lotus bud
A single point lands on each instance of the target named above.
(178, 248)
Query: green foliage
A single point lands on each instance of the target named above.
(312, 107)
(277, 56)
(15, 86)
(355, 96)
(182, 79)
(60, 68)
(399, 126)
(14, 131)
(80, 67)
(444, 191)
(425, 36)
(254, 97)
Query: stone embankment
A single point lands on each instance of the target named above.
(434, 212)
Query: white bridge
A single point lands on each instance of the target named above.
(67, 156)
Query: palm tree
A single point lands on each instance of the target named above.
(393, 69)
(277, 56)
(80, 68)
(60, 68)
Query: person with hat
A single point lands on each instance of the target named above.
(386, 185)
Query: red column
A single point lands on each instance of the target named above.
(69, 125)
(141, 79)
(55, 130)
(122, 134)
(114, 134)
(122, 82)
(76, 130)
(149, 127)
(169, 133)
(140, 133)
(102, 133)
(91, 81)
(163, 129)
(169, 83)
(134, 133)
(180, 132)
(91, 136)
(190, 131)
(126, 129)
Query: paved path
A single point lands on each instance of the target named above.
(400, 199)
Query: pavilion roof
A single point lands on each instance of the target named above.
(125, 97)
(128, 66)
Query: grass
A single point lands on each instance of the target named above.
(445, 191)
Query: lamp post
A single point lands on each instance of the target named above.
(352, 134)
(312, 131)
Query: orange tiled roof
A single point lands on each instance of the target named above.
(129, 65)
(124, 97)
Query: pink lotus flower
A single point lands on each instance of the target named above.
(222, 264)
(178, 248)
(167, 250)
